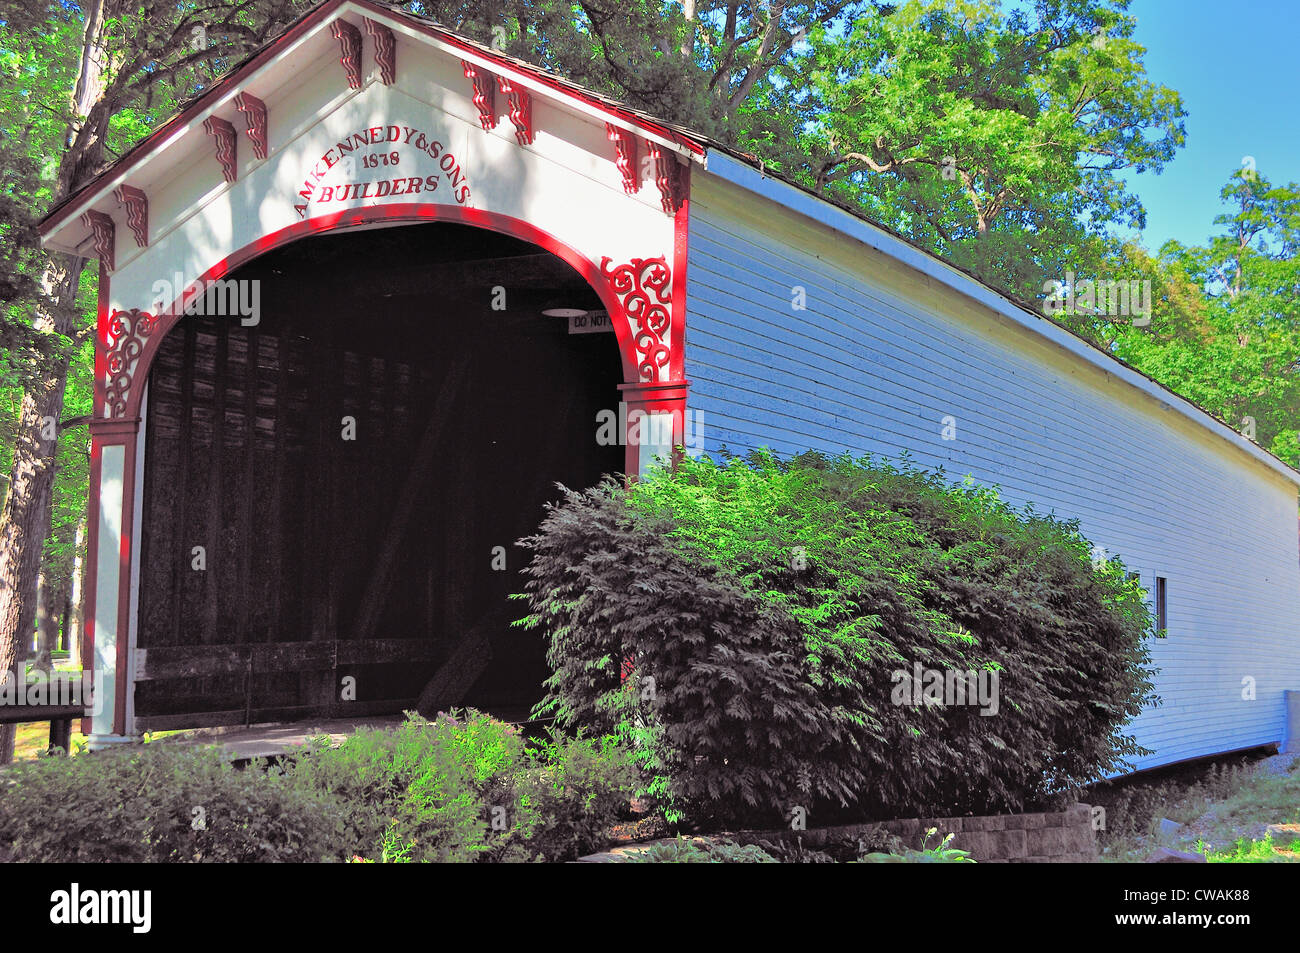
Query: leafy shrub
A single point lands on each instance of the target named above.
(768, 605)
(571, 792)
(463, 788)
(940, 853)
(162, 803)
(468, 787)
(683, 851)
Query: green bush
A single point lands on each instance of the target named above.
(162, 803)
(463, 788)
(468, 787)
(768, 605)
(571, 792)
(683, 851)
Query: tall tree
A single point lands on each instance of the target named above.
(712, 65)
(1226, 329)
(86, 81)
(994, 139)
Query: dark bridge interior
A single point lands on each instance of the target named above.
(352, 576)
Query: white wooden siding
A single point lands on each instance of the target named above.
(883, 353)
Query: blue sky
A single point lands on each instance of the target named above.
(1237, 67)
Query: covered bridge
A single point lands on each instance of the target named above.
(367, 299)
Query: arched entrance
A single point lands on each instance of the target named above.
(332, 491)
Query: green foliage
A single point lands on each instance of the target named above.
(470, 788)
(162, 803)
(994, 138)
(683, 851)
(1247, 851)
(417, 793)
(940, 853)
(769, 604)
(1226, 330)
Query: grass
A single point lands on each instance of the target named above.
(1246, 851)
(33, 738)
(1224, 808)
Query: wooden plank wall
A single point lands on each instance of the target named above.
(370, 558)
(881, 355)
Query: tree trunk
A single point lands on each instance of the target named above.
(52, 596)
(77, 595)
(25, 522)
(25, 516)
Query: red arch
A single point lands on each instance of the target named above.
(405, 212)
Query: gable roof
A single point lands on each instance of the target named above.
(770, 184)
(197, 108)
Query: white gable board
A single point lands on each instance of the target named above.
(424, 135)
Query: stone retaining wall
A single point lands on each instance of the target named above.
(1054, 838)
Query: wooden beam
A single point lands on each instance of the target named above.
(458, 674)
(202, 661)
(257, 716)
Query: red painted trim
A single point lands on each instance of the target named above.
(149, 146)
(625, 157)
(137, 212)
(254, 111)
(483, 92)
(394, 214)
(105, 234)
(225, 144)
(349, 38)
(385, 51)
(92, 509)
(521, 110)
(681, 255)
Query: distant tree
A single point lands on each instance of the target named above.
(994, 139)
(1226, 333)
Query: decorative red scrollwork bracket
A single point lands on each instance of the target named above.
(644, 289)
(385, 51)
(227, 142)
(137, 212)
(625, 157)
(349, 38)
(668, 176)
(254, 111)
(485, 99)
(103, 233)
(127, 333)
(521, 110)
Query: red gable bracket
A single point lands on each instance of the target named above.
(485, 99)
(521, 110)
(103, 233)
(254, 111)
(385, 51)
(137, 212)
(349, 38)
(625, 150)
(668, 176)
(227, 145)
